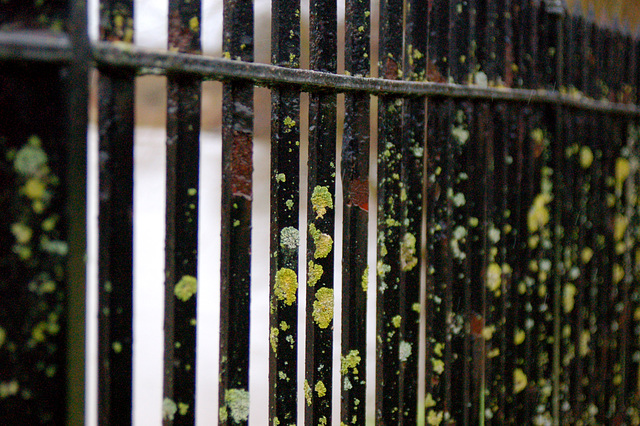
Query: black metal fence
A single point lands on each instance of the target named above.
(507, 212)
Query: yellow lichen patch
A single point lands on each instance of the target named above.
(586, 157)
(519, 380)
(34, 189)
(185, 288)
(494, 277)
(314, 273)
(322, 242)
(537, 135)
(438, 365)
(623, 168)
(237, 402)
(320, 389)
(429, 401)
(396, 321)
(351, 360)
(365, 279)
(289, 122)
(585, 339)
(286, 285)
(568, 297)
(21, 232)
(273, 338)
(434, 418)
(618, 273)
(323, 307)
(408, 260)
(586, 255)
(307, 392)
(538, 215)
(3, 336)
(620, 225)
(519, 337)
(284, 326)
(487, 332)
(437, 349)
(321, 200)
(183, 408)
(194, 24)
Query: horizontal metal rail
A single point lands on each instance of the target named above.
(41, 47)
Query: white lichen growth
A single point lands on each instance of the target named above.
(408, 260)
(21, 232)
(321, 200)
(289, 238)
(30, 159)
(237, 402)
(323, 307)
(169, 409)
(286, 285)
(404, 351)
(185, 288)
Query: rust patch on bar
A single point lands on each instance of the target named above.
(359, 194)
(241, 164)
(391, 69)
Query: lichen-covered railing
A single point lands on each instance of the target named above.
(508, 263)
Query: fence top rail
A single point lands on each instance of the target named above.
(143, 61)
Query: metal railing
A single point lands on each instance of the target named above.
(507, 212)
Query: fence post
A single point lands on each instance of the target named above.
(42, 229)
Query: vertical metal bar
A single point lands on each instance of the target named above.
(285, 182)
(77, 100)
(438, 316)
(237, 195)
(355, 189)
(115, 224)
(321, 218)
(441, 321)
(411, 199)
(43, 151)
(181, 241)
(389, 266)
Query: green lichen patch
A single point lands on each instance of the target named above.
(323, 307)
(408, 260)
(237, 402)
(308, 395)
(286, 285)
(519, 380)
(365, 279)
(185, 288)
(494, 277)
(320, 389)
(538, 215)
(321, 200)
(314, 273)
(350, 361)
(273, 338)
(323, 242)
